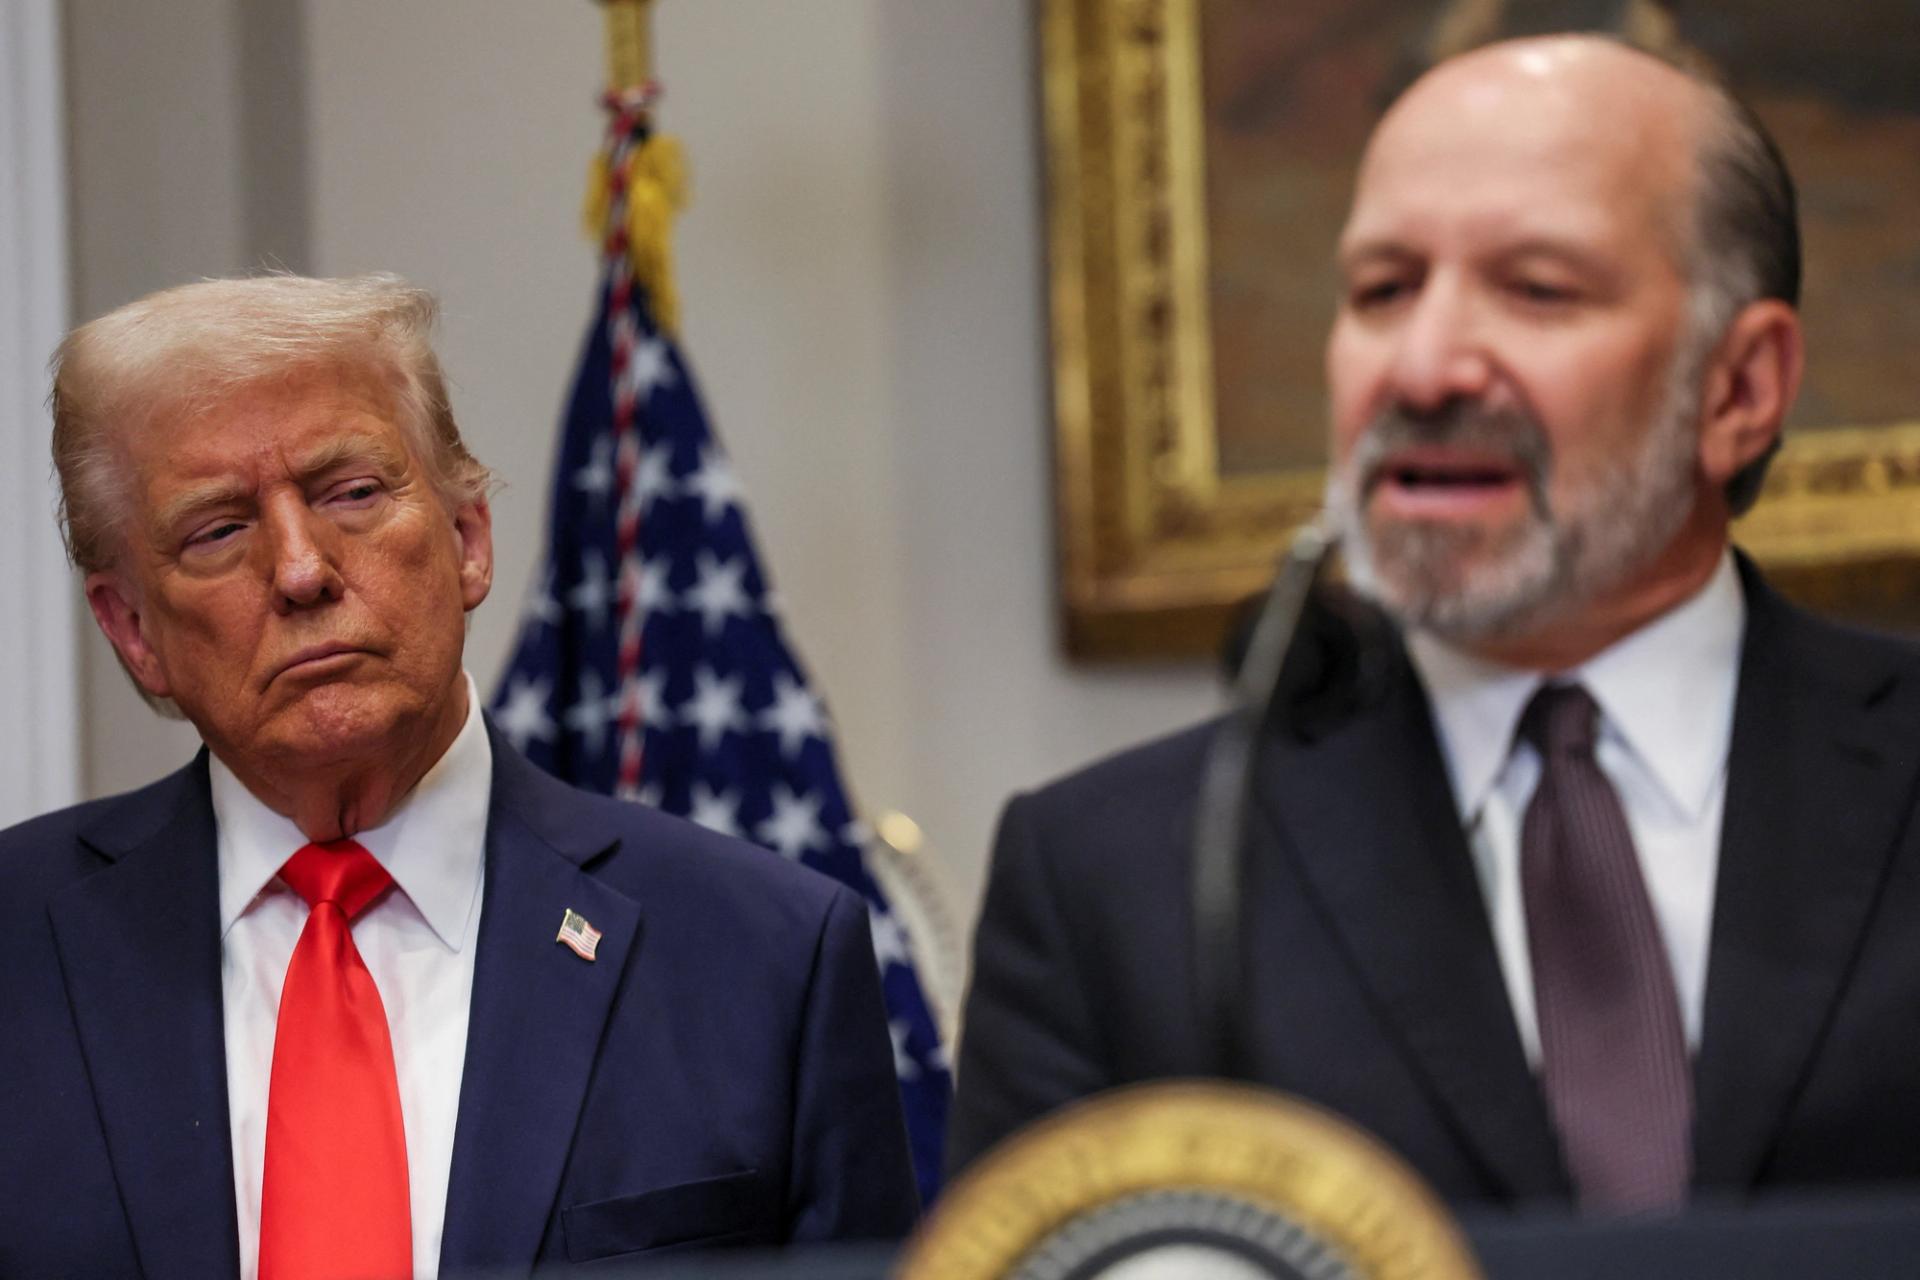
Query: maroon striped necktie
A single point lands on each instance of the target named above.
(1613, 1054)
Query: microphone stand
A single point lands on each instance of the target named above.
(1219, 842)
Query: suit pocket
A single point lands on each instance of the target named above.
(722, 1210)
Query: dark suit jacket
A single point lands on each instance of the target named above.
(1374, 983)
(721, 1073)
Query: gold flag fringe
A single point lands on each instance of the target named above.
(656, 189)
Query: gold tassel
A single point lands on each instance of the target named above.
(656, 190)
(593, 211)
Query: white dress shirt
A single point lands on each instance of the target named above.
(1666, 716)
(417, 941)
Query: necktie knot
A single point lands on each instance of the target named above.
(1562, 720)
(340, 871)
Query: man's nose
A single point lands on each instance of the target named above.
(1442, 354)
(302, 546)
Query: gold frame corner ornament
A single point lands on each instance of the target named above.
(1224, 1154)
(1157, 546)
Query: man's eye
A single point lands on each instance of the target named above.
(358, 491)
(1375, 293)
(1542, 291)
(216, 533)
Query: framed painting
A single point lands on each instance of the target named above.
(1199, 159)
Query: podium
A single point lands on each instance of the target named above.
(1874, 1236)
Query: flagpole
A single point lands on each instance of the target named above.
(711, 714)
(638, 176)
(629, 45)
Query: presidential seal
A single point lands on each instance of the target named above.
(1196, 1180)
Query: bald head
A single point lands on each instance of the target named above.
(1625, 127)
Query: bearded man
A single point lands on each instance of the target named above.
(1586, 875)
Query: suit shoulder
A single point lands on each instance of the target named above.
(50, 849)
(1135, 806)
(1146, 773)
(1818, 653)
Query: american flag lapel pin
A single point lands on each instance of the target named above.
(581, 937)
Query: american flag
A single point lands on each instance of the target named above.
(650, 662)
(582, 938)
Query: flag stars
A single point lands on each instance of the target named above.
(644, 583)
(719, 593)
(596, 478)
(653, 478)
(591, 597)
(795, 714)
(650, 368)
(714, 708)
(543, 607)
(716, 810)
(588, 715)
(715, 484)
(794, 826)
(645, 695)
(523, 716)
(904, 1067)
(889, 940)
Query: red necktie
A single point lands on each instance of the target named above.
(333, 1199)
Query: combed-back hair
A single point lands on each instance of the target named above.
(1746, 235)
(152, 363)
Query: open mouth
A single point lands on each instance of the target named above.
(1416, 476)
(1442, 484)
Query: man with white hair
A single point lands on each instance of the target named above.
(361, 992)
(1585, 874)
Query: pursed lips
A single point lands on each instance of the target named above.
(312, 654)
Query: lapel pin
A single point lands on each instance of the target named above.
(580, 936)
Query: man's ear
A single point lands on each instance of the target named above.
(1750, 384)
(473, 530)
(116, 607)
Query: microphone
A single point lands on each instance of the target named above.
(1219, 838)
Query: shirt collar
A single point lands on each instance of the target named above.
(1667, 690)
(432, 844)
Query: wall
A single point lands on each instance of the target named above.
(861, 274)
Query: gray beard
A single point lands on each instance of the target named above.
(1466, 585)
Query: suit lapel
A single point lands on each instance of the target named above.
(537, 1014)
(1366, 809)
(1820, 777)
(139, 947)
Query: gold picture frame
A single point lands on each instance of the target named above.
(1159, 542)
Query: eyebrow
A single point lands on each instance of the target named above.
(1346, 257)
(334, 454)
(196, 501)
(1395, 252)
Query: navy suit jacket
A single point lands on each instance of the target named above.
(1373, 981)
(720, 1073)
